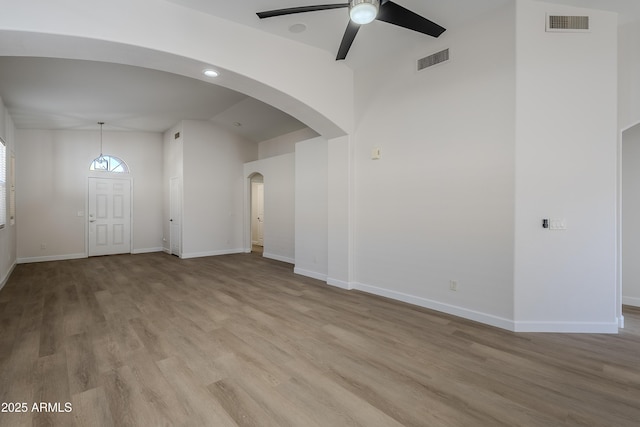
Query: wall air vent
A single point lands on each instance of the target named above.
(557, 23)
(431, 60)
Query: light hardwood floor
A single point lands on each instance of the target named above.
(151, 340)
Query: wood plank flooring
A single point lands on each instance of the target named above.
(151, 340)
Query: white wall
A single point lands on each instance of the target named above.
(8, 233)
(279, 206)
(311, 208)
(438, 205)
(566, 156)
(631, 216)
(173, 168)
(628, 72)
(51, 188)
(340, 212)
(284, 144)
(212, 212)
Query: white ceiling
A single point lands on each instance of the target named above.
(324, 29)
(50, 93)
(45, 93)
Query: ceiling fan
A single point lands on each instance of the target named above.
(363, 12)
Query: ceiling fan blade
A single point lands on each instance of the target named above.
(347, 40)
(395, 14)
(301, 9)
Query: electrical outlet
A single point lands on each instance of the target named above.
(43, 246)
(453, 285)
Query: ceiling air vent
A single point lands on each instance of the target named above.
(557, 23)
(431, 60)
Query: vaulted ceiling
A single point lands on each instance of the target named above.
(46, 93)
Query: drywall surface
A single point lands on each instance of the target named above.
(566, 157)
(52, 168)
(438, 205)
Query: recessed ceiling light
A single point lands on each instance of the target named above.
(210, 73)
(297, 28)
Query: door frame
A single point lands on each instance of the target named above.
(248, 246)
(107, 175)
(178, 182)
(254, 204)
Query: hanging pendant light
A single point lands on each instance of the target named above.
(101, 162)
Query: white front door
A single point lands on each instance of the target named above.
(109, 216)
(175, 205)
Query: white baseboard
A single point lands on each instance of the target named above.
(29, 260)
(211, 253)
(309, 273)
(635, 302)
(339, 284)
(569, 327)
(499, 322)
(5, 279)
(147, 250)
(279, 258)
(477, 316)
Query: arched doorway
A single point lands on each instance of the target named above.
(257, 213)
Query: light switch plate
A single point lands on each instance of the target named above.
(557, 224)
(376, 154)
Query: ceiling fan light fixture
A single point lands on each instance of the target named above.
(363, 12)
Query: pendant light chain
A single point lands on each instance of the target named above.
(101, 160)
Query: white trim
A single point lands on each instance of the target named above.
(339, 284)
(147, 250)
(7, 276)
(309, 273)
(211, 253)
(632, 301)
(569, 327)
(51, 258)
(279, 258)
(465, 313)
(621, 322)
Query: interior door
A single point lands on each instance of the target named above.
(175, 204)
(109, 216)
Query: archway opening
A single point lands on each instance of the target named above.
(257, 213)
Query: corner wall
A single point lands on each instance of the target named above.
(566, 160)
(8, 234)
(213, 204)
(279, 206)
(631, 216)
(311, 208)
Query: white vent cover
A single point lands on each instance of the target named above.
(559, 23)
(431, 60)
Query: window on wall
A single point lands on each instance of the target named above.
(108, 163)
(3, 183)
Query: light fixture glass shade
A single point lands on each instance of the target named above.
(363, 11)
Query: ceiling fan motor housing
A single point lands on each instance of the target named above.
(363, 11)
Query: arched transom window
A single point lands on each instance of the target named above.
(107, 163)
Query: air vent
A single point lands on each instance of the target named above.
(431, 60)
(557, 23)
